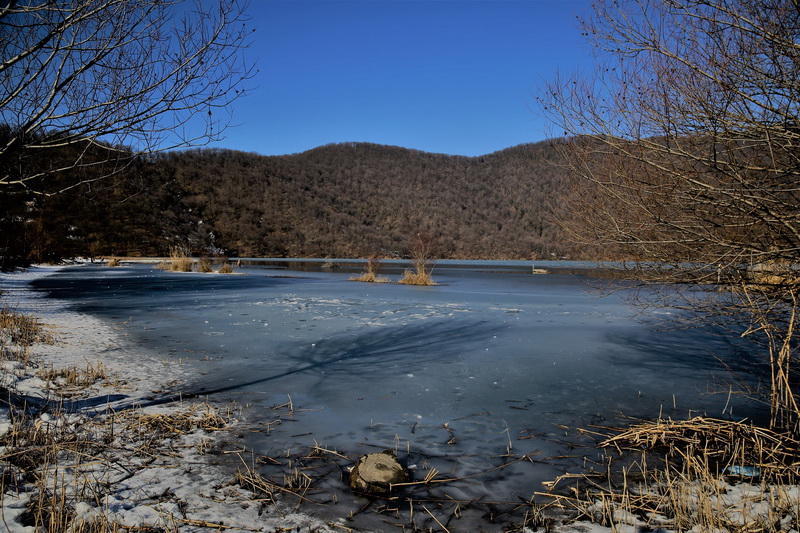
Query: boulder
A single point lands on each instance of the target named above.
(375, 472)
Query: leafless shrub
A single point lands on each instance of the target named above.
(420, 249)
(370, 274)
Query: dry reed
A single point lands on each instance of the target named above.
(113, 262)
(673, 474)
(64, 461)
(73, 376)
(205, 265)
(226, 268)
(370, 274)
(417, 277)
(179, 260)
(203, 417)
(21, 328)
(420, 248)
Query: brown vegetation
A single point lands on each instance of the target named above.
(179, 260)
(37, 449)
(18, 332)
(225, 268)
(73, 376)
(205, 265)
(370, 274)
(686, 161)
(346, 200)
(199, 416)
(113, 262)
(671, 474)
(411, 277)
(420, 249)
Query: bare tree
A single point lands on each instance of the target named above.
(87, 84)
(686, 149)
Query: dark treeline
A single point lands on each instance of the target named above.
(346, 200)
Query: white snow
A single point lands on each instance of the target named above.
(178, 491)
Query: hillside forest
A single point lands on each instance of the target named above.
(340, 200)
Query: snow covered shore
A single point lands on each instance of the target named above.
(155, 467)
(169, 467)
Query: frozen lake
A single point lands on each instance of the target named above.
(502, 357)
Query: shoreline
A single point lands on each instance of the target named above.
(183, 482)
(166, 466)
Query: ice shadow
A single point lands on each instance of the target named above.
(705, 348)
(137, 282)
(363, 354)
(35, 404)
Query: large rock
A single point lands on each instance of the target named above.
(375, 472)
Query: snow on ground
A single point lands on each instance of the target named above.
(182, 489)
(184, 486)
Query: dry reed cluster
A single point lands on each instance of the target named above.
(18, 332)
(205, 265)
(113, 262)
(55, 465)
(370, 274)
(180, 261)
(204, 417)
(417, 277)
(420, 275)
(73, 376)
(66, 460)
(680, 474)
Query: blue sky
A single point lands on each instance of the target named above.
(450, 76)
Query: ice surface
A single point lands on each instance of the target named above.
(504, 358)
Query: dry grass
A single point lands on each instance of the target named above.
(249, 479)
(673, 474)
(62, 461)
(295, 483)
(226, 268)
(101, 524)
(73, 376)
(113, 262)
(774, 273)
(203, 417)
(179, 260)
(369, 277)
(18, 332)
(417, 277)
(205, 265)
(370, 274)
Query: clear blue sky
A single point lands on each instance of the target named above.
(450, 76)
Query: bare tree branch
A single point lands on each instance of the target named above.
(128, 76)
(685, 148)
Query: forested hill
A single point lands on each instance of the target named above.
(341, 200)
(356, 199)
